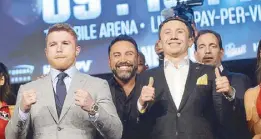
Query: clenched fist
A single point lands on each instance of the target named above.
(147, 93)
(28, 99)
(84, 100)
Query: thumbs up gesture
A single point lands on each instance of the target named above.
(147, 93)
(222, 83)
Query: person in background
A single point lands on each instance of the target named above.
(142, 66)
(159, 51)
(253, 101)
(123, 62)
(209, 51)
(7, 99)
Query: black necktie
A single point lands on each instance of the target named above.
(61, 90)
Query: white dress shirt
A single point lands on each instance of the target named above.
(67, 80)
(176, 77)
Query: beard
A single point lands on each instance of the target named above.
(125, 75)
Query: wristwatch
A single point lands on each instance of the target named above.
(94, 109)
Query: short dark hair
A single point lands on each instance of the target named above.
(123, 38)
(190, 29)
(141, 55)
(202, 32)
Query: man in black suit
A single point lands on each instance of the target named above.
(187, 99)
(209, 50)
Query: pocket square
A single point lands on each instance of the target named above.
(203, 80)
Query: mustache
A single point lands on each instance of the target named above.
(174, 40)
(123, 64)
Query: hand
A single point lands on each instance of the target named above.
(84, 100)
(28, 99)
(258, 136)
(147, 93)
(222, 83)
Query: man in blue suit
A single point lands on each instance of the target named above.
(209, 51)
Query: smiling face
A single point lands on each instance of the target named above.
(61, 50)
(208, 50)
(175, 40)
(123, 59)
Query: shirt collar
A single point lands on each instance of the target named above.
(70, 72)
(221, 68)
(183, 62)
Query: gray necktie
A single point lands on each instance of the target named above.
(61, 88)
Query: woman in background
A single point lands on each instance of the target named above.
(6, 99)
(252, 101)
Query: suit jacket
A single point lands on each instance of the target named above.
(74, 123)
(200, 112)
(237, 127)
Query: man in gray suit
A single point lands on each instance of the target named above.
(65, 104)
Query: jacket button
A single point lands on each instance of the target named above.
(100, 125)
(178, 114)
(59, 128)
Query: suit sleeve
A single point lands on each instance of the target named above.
(231, 114)
(221, 104)
(17, 128)
(238, 116)
(108, 122)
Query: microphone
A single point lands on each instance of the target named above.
(167, 12)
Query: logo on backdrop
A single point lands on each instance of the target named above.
(21, 73)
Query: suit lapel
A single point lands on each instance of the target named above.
(49, 96)
(190, 83)
(77, 83)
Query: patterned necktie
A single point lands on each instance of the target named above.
(61, 90)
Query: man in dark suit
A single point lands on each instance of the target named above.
(209, 50)
(186, 100)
